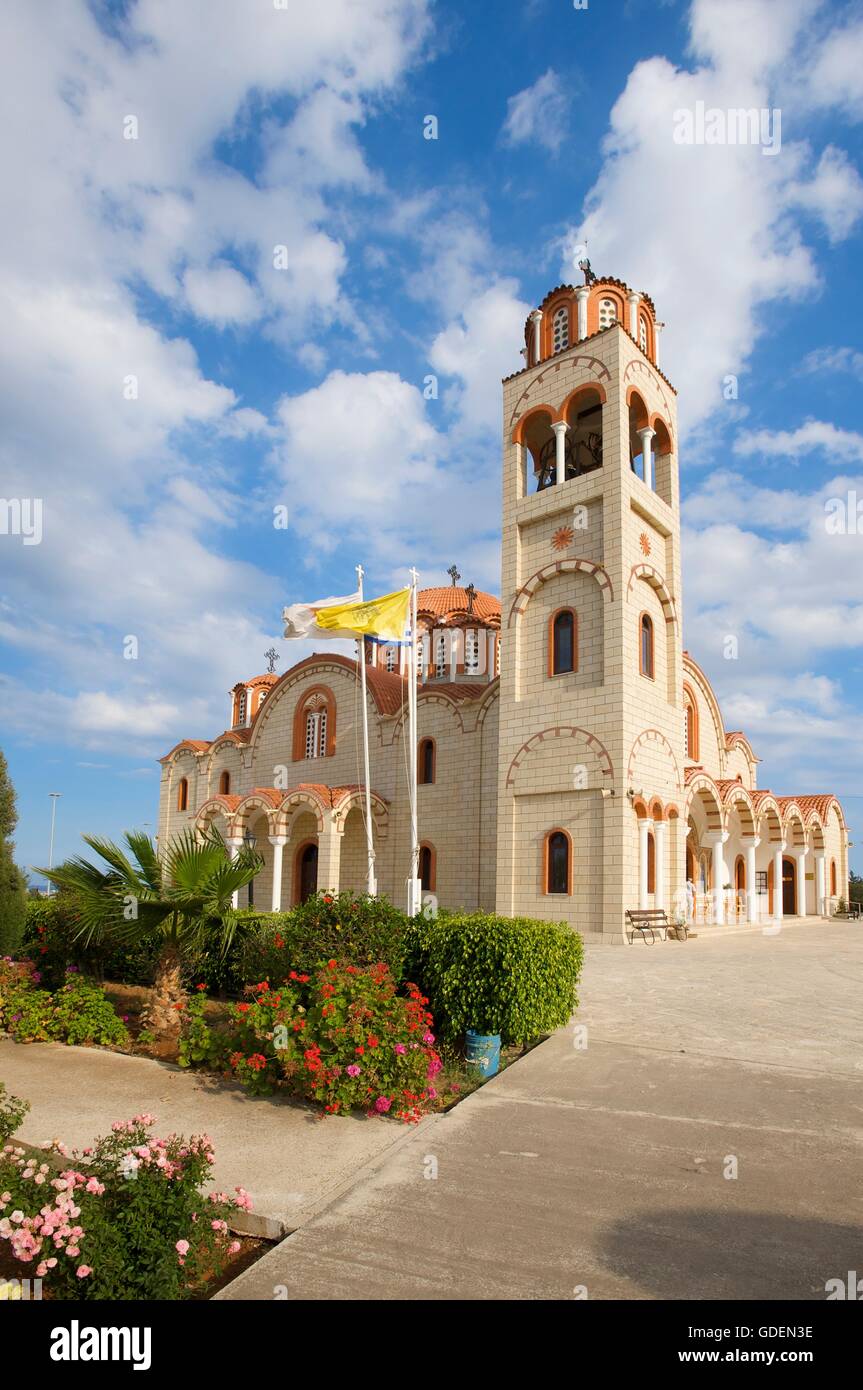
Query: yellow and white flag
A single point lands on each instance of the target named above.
(384, 617)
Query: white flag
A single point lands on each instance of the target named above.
(300, 619)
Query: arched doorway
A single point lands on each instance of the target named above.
(306, 872)
(740, 906)
(789, 888)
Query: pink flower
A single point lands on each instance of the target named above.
(83, 1270)
(233, 1247)
(400, 1048)
(382, 1104)
(353, 1069)
(182, 1247)
(428, 1037)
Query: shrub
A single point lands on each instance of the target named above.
(77, 1013)
(12, 1112)
(512, 976)
(51, 941)
(342, 1037)
(350, 928)
(123, 1220)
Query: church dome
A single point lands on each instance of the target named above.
(451, 604)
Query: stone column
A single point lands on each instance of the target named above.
(716, 842)
(560, 430)
(278, 843)
(644, 828)
(800, 856)
(751, 890)
(233, 849)
(634, 301)
(820, 885)
(536, 320)
(660, 829)
(646, 437)
(777, 884)
(329, 858)
(582, 294)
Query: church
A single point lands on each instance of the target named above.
(573, 761)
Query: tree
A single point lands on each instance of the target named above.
(182, 893)
(13, 884)
(855, 888)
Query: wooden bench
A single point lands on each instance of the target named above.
(644, 920)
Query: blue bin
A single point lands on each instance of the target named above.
(483, 1052)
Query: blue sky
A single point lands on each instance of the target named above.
(153, 258)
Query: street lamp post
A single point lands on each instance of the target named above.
(251, 840)
(54, 799)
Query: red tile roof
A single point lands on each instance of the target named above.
(451, 600)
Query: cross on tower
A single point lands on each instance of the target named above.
(454, 575)
(272, 657)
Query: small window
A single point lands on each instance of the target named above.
(560, 329)
(426, 762)
(183, 794)
(471, 652)
(607, 313)
(316, 734)
(225, 784)
(241, 707)
(647, 645)
(833, 878)
(441, 662)
(427, 868)
(691, 732)
(390, 659)
(642, 335)
(557, 862)
(651, 863)
(563, 635)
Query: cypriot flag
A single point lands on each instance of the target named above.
(301, 619)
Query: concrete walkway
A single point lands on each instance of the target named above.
(610, 1168)
(289, 1158)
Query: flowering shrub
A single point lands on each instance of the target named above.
(77, 1013)
(125, 1219)
(341, 1037)
(352, 928)
(12, 1112)
(198, 1043)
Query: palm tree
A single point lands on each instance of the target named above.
(179, 893)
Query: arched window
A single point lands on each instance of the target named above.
(642, 334)
(471, 652)
(563, 642)
(224, 784)
(440, 660)
(242, 705)
(691, 731)
(651, 863)
(428, 868)
(646, 650)
(558, 862)
(833, 878)
(391, 658)
(426, 762)
(183, 794)
(315, 724)
(560, 329)
(607, 313)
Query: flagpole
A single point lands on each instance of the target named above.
(371, 880)
(414, 885)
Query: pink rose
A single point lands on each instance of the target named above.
(182, 1247)
(382, 1104)
(83, 1270)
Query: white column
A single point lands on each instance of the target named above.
(634, 301)
(800, 855)
(657, 329)
(751, 892)
(536, 320)
(233, 849)
(582, 294)
(717, 841)
(659, 846)
(777, 884)
(278, 843)
(646, 436)
(820, 885)
(560, 428)
(644, 828)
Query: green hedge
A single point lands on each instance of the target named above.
(51, 942)
(348, 927)
(512, 976)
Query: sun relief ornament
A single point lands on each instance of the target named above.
(562, 538)
(644, 542)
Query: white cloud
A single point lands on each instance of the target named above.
(477, 349)
(834, 77)
(538, 114)
(834, 193)
(835, 359)
(812, 437)
(221, 294)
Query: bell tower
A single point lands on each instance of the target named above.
(590, 788)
